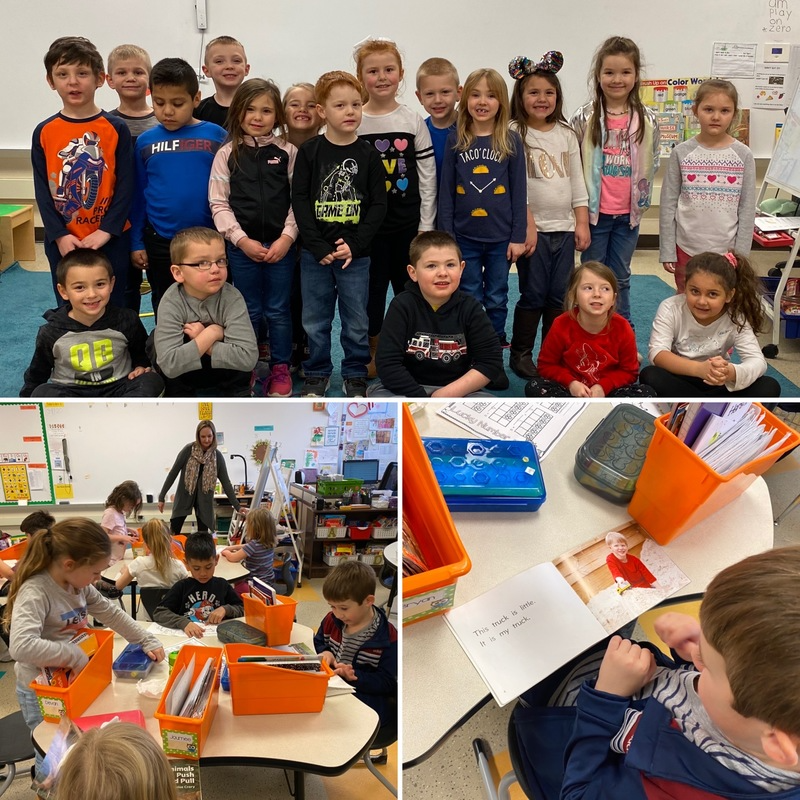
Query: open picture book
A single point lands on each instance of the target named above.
(525, 628)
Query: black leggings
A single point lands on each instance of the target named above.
(667, 384)
(176, 523)
(541, 387)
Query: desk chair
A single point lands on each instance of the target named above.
(151, 597)
(540, 775)
(285, 570)
(15, 746)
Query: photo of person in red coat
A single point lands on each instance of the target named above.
(627, 571)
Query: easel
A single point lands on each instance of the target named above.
(281, 502)
(783, 173)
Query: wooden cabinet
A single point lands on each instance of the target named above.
(319, 521)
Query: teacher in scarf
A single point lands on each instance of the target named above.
(200, 465)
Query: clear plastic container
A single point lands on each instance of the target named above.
(132, 662)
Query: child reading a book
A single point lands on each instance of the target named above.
(50, 601)
(721, 720)
(92, 766)
(261, 536)
(201, 598)
(627, 571)
(357, 641)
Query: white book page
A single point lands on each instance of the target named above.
(524, 629)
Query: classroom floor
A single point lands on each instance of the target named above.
(645, 262)
(452, 773)
(222, 783)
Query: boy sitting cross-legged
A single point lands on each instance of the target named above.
(201, 598)
(356, 639)
(89, 348)
(436, 341)
(204, 342)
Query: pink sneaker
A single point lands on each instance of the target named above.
(280, 382)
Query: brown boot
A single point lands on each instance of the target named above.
(526, 322)
(373, 347)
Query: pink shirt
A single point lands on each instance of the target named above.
(615, 176)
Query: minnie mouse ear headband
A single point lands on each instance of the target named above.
(551, 61)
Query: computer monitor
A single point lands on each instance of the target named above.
(365, 469)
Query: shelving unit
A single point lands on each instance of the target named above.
(314, 510)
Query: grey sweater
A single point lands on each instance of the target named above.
(46, 617)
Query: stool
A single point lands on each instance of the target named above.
(15, 746)
(16, 235)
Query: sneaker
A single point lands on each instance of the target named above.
(280, 382)
(259, 379)
(315, 386)
(355, 387)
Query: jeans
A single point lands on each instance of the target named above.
(267, 291)
(159, 264)
(543, 276)
(485, 277)
(321, 286)
(613, 244)
(31, 713)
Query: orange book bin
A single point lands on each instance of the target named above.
(72, 701)
(427, 516)
(185, 736)
(15, 552)
(260, 689)
(275, 621)
(676, 489)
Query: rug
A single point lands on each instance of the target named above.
(25, 296)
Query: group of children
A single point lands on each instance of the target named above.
(53, 593)
(252, 233)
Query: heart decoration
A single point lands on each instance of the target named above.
(401, 144)
(731, 179)
(712, 178)
(356, 410)
(382, 145)
(402, 184)
(691, 177)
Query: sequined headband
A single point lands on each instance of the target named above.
(731, 259)
(521, 66)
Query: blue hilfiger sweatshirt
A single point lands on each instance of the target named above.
(172, 172)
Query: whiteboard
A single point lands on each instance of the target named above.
(110, 442)
(297, 41)
(25, 477)
(784, 169)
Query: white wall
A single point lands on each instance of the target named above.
(299, 39)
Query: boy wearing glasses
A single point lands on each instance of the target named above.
(436, 341)
(173, 166)
(204, 342)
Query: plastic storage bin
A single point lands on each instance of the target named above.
(185, 736)
(260, 689)
(791, 321)
(72, 701)
(132, 662)
(487, 474)
(275, 621)
(426, 514)
(610, 460)
(359, 531)
(326, 488)
(676, 489)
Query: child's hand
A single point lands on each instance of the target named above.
(329, 259)
(670, 266)
(578, 389)
(216, 616)
(596, 391)
(156, 655)
(328, 658)
(278, 249)
(193, 329)
(137, 372)
(679, 632)
(346, 672)
(583, 238)
(139, 259)
(254, 250)
(194, 631)
(342, 252)
(712, 371)
(515, 250)
(66, 244)
(626, 668)
(95, 240)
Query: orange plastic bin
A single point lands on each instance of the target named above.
(677, 489)
(275, 621)
(427, 516)
(73, 700)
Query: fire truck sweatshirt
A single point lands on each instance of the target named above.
(422, 346)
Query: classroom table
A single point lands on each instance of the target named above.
(232, 571)
(327, 743)
(502, 545)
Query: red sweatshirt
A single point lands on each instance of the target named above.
(569, 353)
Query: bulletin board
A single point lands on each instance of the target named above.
(25, 474)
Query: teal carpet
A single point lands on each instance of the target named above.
(25, 296)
